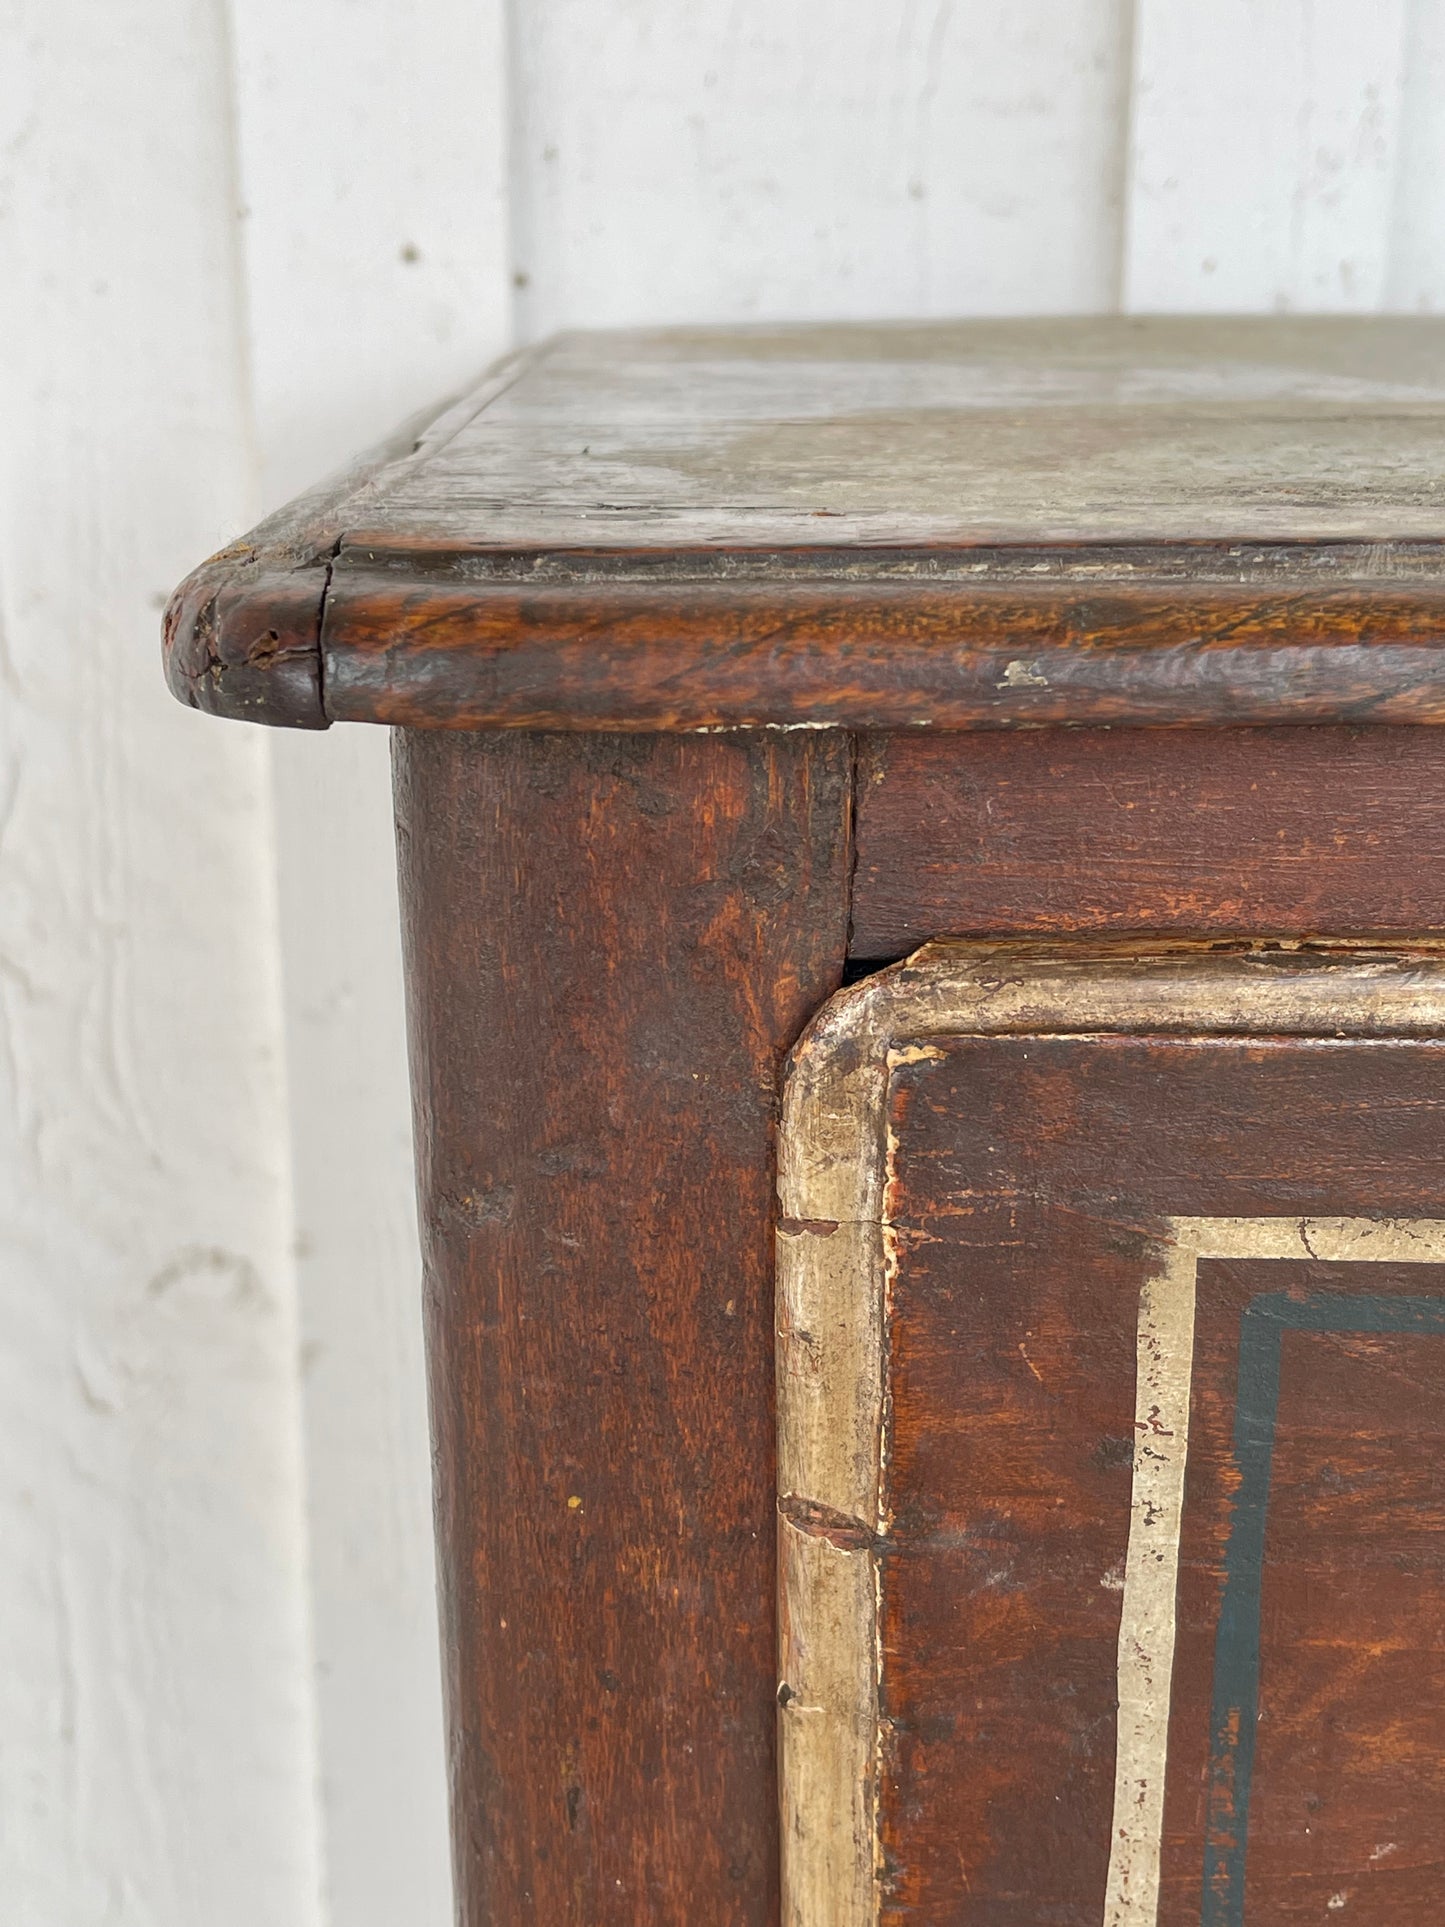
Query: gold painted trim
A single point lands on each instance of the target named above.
(834, 1263)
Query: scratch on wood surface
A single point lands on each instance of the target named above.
(840, 1529)
(1024, 1355)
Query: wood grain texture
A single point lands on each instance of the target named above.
(1346, 1773)
(1021, 432)
(1054, 645)
(950, 1172)
(242, 633)
(1030, 1185)
(1298, 832)
(906, 525)
(612, 942)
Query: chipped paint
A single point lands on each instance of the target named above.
(1022, 675)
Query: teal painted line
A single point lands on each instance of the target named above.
(1234, 1712)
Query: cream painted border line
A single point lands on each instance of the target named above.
(1161, 1452)
(833, 1271)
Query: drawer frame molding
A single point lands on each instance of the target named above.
(836, 1262)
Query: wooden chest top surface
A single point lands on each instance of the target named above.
(1153, 430)
(846, 524)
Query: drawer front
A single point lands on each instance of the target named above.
(1112, 1489)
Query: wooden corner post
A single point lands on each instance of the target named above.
(613, 943)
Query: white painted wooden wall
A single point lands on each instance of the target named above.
(236, 242)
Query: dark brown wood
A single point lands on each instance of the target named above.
(1292, 832)
(945, 526)
(242, 633)
(611, 943)
(1349, 1762)
(1034, 1183)
(697, 558)
(1077, 642)
(241, 639)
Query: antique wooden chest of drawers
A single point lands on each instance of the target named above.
(921, 857)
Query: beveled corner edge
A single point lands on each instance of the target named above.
(834, 1263)
(242, 640)
(242, 635)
